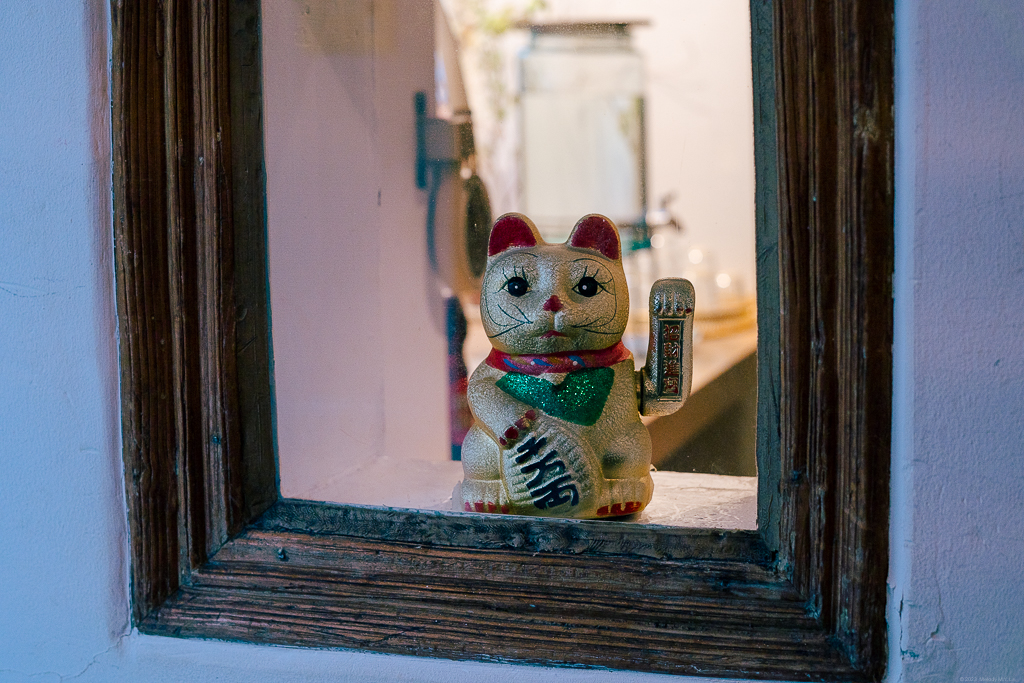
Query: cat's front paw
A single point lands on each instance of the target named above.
(620, 509)
(627, 496)
(483, 496)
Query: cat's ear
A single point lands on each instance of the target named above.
(596, 232)
(512, 230)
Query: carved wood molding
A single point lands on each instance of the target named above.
(834, 65)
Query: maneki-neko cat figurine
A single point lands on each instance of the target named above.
(557, 403)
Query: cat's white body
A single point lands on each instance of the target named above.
(608, 461)
(557, 427)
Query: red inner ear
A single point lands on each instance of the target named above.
(596, 232)
(510, 231)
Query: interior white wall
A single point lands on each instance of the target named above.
(360, 354)
(958, 459)
(62, 577)
(958, 524)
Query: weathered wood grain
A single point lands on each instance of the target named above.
(725, 618)
(511, 532)
(174, 271)
(145, 319)
(766, 243)
(835, 97)
(251, 279)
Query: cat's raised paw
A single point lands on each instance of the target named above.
(671, 298)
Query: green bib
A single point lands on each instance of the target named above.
(579, 399)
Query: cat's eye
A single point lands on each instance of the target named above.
(587, 286)
(518, 286)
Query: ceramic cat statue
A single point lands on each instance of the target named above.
(556, 406)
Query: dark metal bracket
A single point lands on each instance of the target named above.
(437, 143)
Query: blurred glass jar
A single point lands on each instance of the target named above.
(582, 120)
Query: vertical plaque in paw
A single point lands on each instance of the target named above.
(670, 367)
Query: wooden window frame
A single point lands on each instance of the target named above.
(216, 554)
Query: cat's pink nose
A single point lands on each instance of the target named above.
(554, 304)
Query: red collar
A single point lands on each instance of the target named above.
(563, 361)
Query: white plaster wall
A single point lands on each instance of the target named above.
(62, 573)
(957, 519)
(958, 462)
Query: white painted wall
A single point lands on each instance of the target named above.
(360, 354)
(958, 462)
(62, 579)
(957, 525)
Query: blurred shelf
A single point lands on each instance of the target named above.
(715, 430)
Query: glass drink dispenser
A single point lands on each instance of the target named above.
(582, 126)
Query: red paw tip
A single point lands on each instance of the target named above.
(479, 505)
(469, 508)
(619, 509)
(502, 441)
(504, 509)
(511, 433)
(531, 414)
(491, 507)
